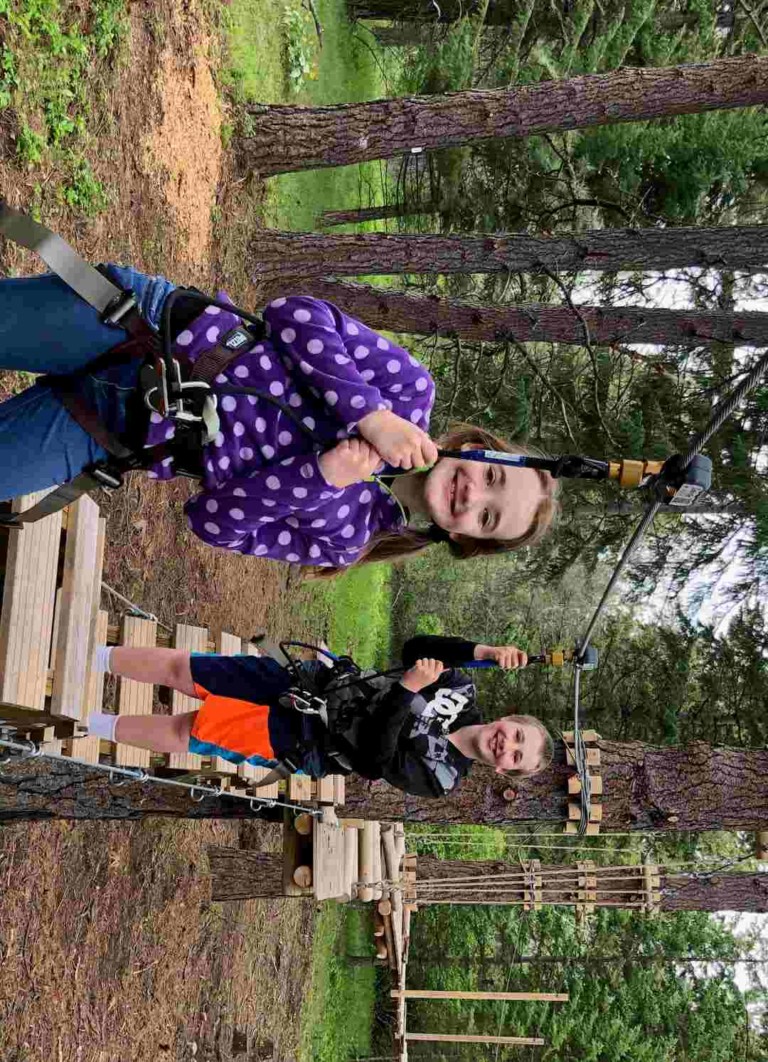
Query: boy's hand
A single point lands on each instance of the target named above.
(508, 657)
(399, 442)
(350, 462)
(422, 674)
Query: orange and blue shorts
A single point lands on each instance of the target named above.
(236, 694)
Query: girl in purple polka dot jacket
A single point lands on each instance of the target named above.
(269, 488)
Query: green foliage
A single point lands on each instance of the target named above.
(636, 993)
(48, 50)
(84, 193)
(300, 47)
(337, 1012)
(429, 623)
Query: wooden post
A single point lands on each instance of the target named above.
(530, 997)
(445, 1038)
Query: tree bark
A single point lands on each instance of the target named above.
(376, 213)
(498, 12)
(244, 875)
(288, 255)
(693, 787)
(616, 886)
(288, 138)
(537, 322)
(47, 788)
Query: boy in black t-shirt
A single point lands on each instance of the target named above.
(420, 732)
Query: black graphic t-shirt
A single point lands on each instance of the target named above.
(424, 762)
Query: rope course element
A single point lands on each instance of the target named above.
(26, 750)
(658, 488)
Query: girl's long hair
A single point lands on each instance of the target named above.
(409, 542)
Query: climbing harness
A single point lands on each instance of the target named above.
(184, 392)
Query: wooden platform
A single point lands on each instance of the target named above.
(50, 622)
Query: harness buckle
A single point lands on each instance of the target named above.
(116, 310)
(106, 476)
(307, 704)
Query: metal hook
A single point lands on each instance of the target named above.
(193, 791)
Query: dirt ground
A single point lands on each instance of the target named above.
(111, 949)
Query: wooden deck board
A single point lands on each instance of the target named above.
(135, 698)
(328, 863)
(88, 748)
(226, 645)
(195, 639)
(26, 617)
(71, 662)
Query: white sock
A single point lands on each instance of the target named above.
(102, 656)
(102, 725)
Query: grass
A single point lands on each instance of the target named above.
(337, 1014)
(49, 51)
(346, 69)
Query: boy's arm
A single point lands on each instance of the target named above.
(456, 652)
(160, 667)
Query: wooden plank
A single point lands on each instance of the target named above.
(530, 997)
(450, 1038)
(226, 645)
(195, 639)
(328, 861)
(135, 698)
(26, 618)
(299, 787)
(339, 794)
(249, 773)
(87, 748)
(70, 665)
(325, 790)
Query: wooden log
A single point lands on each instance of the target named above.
(391, 860)
(378, 872)
(526, 997)
(406, 932)
(303, 824)
(381, 948)
(451, 1038)
(350, 863)
(366, 865)
(400, 842)
(302, 876)
(389, 936)
(384, 907)
(378, 924)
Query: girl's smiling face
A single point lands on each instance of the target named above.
(481, 500)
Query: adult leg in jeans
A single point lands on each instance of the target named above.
(46, 327)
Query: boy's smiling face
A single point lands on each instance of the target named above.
(509, 744)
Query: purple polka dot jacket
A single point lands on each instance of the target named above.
(264, 493)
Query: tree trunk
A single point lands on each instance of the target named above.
(498, 12)
(47, 788)
(537, 322)
(693, 787)
(299, 138)
(616, 886)
(404, 35)
(288, 255)
(376, 213)
(244, 875)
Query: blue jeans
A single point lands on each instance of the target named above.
(46, 327)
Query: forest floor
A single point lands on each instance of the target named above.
(111, 948)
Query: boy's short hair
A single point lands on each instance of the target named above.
(547, 750)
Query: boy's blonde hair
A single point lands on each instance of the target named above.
(547, 750)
